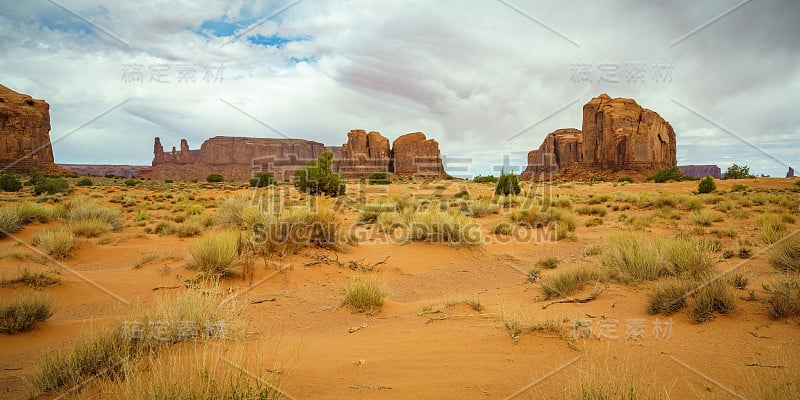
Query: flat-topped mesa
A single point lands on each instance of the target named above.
(415, 155)
(560, 149)
(364, 154)
(25, 133)
(236, 158)
(617, 137)
(700, 171)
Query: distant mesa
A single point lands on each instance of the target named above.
(25, 133)
(618, 137)
(701, 171)
(127, 171)
(239, 158)
(790, 173)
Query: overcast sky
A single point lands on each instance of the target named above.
(488, 79)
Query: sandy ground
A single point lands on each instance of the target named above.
(303, 333)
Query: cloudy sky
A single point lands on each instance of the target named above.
(488, 79)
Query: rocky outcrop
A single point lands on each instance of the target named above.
(364, 154)
(415, 155)
(790, 173)
(236, 158)
(617, 136)
(560, 149)
(128, 171)
(25, 133)
(701, 171)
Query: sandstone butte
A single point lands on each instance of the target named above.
(700, 171)
(239, 158)
(618, 137)
(25, 133)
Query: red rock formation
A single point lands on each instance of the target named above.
(700, 171)
(790, 173)
(236, 158)
(158, 151)
(617, 137)
(364, 154)
(128, 171)
(560, 149)
(415, 155)
(25, 133)
(620, 134)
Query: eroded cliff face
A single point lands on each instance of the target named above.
(25, 133)
(413, 154)
(364, 154)
(236, 158)
(616, 136)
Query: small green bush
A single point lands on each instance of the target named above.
(549, 262)
(84, 182)
(706, 185)
(317, 177)
(668, 174)
(9, 183)
(507, 184)
(215, 178)
(25, 310)
(625, 179)
(485, 179)
(379, 178)
(737, 172)
(131, 182)
(51, 186)
(262, 179)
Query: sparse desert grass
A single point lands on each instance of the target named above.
(635, 258)
(716, 295)
(548, 262)
(772, 228)
(589, 210)
(591, 222)
(87, 217)
(236, 212)
(9, 221)
(533, 274)
(288, 230)
(516, 324)
(784, 298)
(25, 310)
(144, 259)
(164, 228)
(639, 222)
(705, 218)
(593, 250)
(214, 254)
(34, 212)
(109, 351)
(58, 243)
(668, 296)
(597, 199)
(738, 280)
(561, 221)
(568, 282)
(689, 258)
(90, 228)
(369, 212)
(364, 294)
(190, 228)
(785, 256)
(203, 371)
(446, 227)
(30, 278)
(478, 208)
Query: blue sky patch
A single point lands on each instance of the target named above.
(274, 40)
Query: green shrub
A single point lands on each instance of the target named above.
(485, 179)
(51, 186)
(317, 177)
(706, 185)
(785, 256)
(549, 262)
(625, 179)
(507, 184)
(214, 178)
(593, 222)
(738, 280)
(25, 310)
(462, 194)
(738, 187)
(84, 182)
(131, 182)
(216, 253)
(57, 243)
(10, 183)
(379, 178)
(737, 172)
(668, 296)
(262, 179)
(668, 174)
(364, 294)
